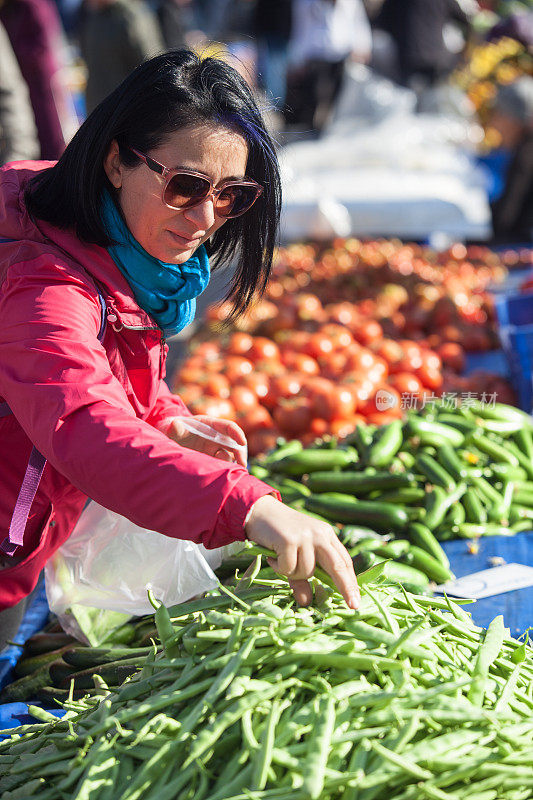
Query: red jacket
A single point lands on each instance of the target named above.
(92, 409)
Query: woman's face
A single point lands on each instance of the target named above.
(167, 234)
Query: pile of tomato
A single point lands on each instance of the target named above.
(411, 290)
(357, 331)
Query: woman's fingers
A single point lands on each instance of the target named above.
(335, 559)
(303, 594)
(233, 431)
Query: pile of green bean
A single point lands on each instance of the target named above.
(442, 474)
(256, 699)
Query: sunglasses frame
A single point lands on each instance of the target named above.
(168, 173)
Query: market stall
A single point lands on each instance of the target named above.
(400, 484)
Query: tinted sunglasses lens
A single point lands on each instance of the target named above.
(184, 190)
(235, 200)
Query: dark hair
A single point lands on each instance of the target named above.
(162, 95)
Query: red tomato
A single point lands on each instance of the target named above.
(262, 440)
(213, 407)
(361, 360)
(380, 418)
(318, 427)
(367, 331)
(452, 356)
(319, 345)
(332, 365)
(343, 427)
(339, 335)
(299, 362)
(384, 399)
(216, 385)
(208, 351)
(189, 375)
(256, 418)
(263, 349)
(188, 393)
(431, 378)
(329, 401)
(243, 399)
(406, 383)
(258, 382)
(237, 366)
(282, 387)
(293, 416)
(239, 343)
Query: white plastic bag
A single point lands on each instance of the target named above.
(109, 563)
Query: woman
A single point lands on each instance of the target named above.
(107, 251)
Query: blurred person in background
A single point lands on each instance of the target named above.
(417, 29)
(511, 117)
(115, 37)
(325, 34)
(272, 25)
(18, 136)
(176, 20)
(34, 29)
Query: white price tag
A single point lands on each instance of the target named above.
(489, 582)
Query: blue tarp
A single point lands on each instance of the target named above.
(14, 714)
(34, 620)
(517, 606)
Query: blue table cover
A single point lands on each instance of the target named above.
(14, 714)
(34, 620)
(516, 606)
(490, 360)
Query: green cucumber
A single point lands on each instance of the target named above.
(344, 508)
(315, 460)
(407, 495)
(436, 506)
(434, 433)
(411, 578)
(505, 472)
(394, 549)
(523, 497)
(421, 536)
(422, 560)
(497, 451)
(364, 560)
(502, 412)
(434, 472)
(385, 444)
(357, 483)
(283, 451)
(461, 423)
(474, 509)
(468, 530)
(451, 462)
(361, 439)
(524, 440)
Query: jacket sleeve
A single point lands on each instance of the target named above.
(55, 375)
(166, 406)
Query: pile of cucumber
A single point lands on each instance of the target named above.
(442, 474)
(54, 666)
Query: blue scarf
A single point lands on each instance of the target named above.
(167, 292)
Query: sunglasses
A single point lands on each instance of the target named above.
(184, 188)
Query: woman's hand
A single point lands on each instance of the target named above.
(301, 542)
(179, 433)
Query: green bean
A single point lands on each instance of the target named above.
(487, 653)
(317, 753)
